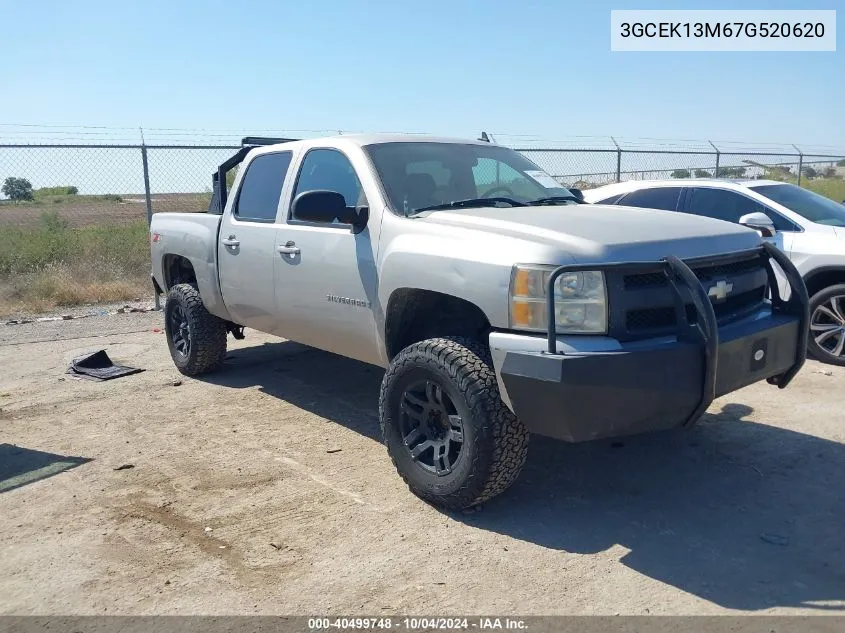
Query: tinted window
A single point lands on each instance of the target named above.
(665, 198)
(259, 194)
(722, 204)
(330, 170)
(805, 203)
(780, 222)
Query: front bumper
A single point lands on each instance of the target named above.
(596, 387)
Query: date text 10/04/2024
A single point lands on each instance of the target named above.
(417, 623)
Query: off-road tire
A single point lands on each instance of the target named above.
(206, 332)
(495, 441)
(819, 299)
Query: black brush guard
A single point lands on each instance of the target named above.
(705, 330)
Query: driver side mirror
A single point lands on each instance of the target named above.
(327, 206)
(760, 222)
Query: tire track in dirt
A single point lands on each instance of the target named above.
(207, 542)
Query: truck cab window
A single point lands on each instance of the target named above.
(330, 170)
(258, 198)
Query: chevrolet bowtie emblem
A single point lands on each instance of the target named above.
(720, 290)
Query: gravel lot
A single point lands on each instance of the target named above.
(264, 489)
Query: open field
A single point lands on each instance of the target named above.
(82, 211)
(833, 188)
(264, 488)
(54, 265)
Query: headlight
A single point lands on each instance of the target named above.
(580, 300)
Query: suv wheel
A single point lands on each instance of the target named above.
(197, 338)
(446, 429)
(827, 325)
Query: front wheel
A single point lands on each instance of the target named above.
(449, 434)
(827, 325)
(197, 338)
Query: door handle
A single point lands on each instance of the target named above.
(230, 241)
(289, 248)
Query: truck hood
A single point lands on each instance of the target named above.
(607, 233)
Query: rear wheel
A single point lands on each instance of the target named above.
(448, 433)
(197, 338)
(827, 325)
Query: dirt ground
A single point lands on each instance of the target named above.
(264, 489)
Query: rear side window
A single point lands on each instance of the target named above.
(261, 188)
(665, 198)
(722, 204)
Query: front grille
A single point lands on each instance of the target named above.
(703, 271)
(650, 319)
(646, 280)
(644, 305)
(730, 269)
(664, 318)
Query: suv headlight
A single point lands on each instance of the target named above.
(580, 300)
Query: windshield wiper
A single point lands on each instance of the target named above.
(470, 202)
(552, 200)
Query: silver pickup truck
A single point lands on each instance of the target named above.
(497, 303)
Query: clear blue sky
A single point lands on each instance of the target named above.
(450, 67)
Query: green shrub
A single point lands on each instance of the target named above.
(731, 172)
(46, 192)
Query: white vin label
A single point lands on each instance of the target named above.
(723, 30)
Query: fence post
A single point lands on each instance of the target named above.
(149, 201)
(618, 160)
(800, 164)
(716, 149)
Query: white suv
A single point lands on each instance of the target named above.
(808, 227)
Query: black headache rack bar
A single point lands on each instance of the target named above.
(218, 178)
(706, 327)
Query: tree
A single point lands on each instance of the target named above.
(17, 189)
(841, 163)
(809, 172)
(680, 173)
(702, 173)
(829, 172)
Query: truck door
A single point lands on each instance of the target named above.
(246, 250)
(326, 278)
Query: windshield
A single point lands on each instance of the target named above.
(805, 203)
(422, 175)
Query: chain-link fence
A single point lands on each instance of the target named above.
(588, 168)
(73, 218)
